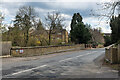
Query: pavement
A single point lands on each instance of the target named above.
(74, 64)
(6, 56)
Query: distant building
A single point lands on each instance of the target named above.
(61, 35)
(57, 36)
(107, 34)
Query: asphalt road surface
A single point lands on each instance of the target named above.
(74, 64)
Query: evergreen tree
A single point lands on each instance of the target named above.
(115, 27)
(79, 33)
(107, 40)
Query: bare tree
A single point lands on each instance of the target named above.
(1, 18)
(25, 19)
(54, 21)
(2, 26)
(113, 7)
(109, 9)
(39, 25)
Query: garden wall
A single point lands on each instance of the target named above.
(112, 54)
(6, 46)
(42, 50)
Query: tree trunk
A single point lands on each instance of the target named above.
(49, 37)
(24, 40)
(27, 38)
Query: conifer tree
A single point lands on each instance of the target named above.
(79, 33)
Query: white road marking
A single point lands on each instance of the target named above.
(65, 59)
(29, 70)
(77, 56)
(46, 65)
(113, 71)
(98, 72)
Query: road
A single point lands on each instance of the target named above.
(74, 64)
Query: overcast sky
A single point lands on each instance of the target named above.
(66, 7)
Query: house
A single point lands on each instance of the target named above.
(57, 36)
(60, 35)
(107, 34)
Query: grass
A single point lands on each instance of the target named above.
(112, 66)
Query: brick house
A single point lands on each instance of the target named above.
(57, 36)
(61, 35)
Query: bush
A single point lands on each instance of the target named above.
(107, 40)
(118, 42)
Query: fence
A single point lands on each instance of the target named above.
(112, 54)
(6, 46)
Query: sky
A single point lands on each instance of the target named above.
(67, 8)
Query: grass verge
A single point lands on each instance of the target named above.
(112, 66)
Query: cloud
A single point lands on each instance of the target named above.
(72, 5)
(9, 10)
(50, 0)
(95, 23)
(68, 17)
(67, 9)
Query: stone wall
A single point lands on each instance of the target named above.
(41, 50)
(118, 53)
(111, 54)
(6, 46)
